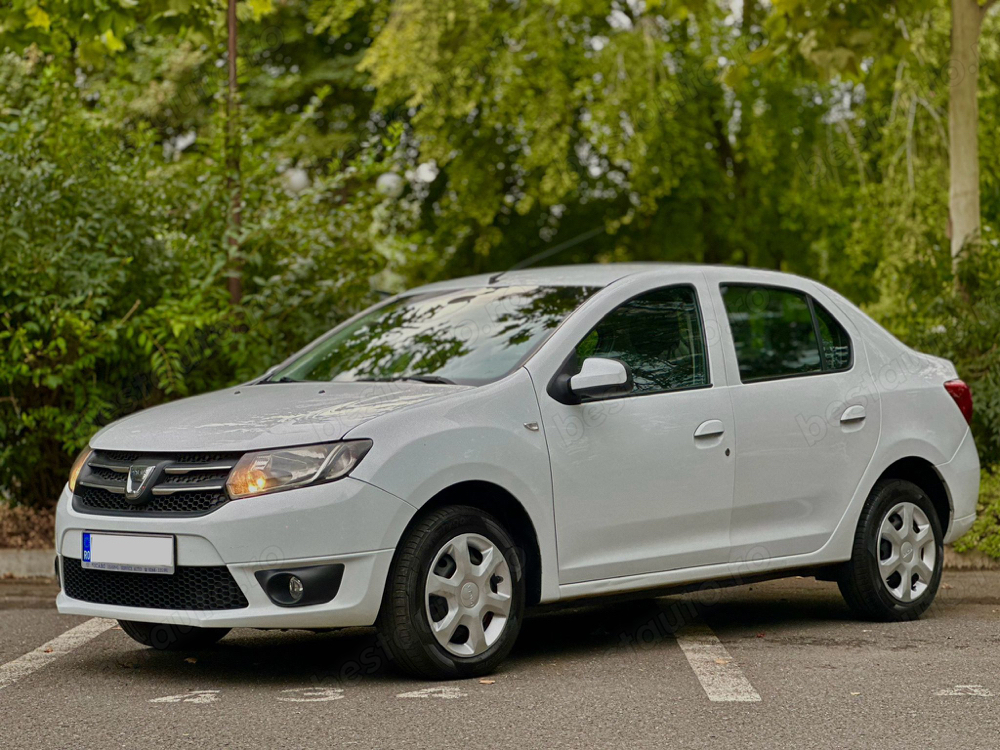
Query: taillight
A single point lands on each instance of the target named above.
(963, 397)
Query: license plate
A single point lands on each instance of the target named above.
(129, 553)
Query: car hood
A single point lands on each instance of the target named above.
(269, 415)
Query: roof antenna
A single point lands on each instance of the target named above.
(548, 253)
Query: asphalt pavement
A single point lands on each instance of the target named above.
(780, 664)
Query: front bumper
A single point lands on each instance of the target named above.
(347, 522)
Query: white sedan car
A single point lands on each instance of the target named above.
(465, 450)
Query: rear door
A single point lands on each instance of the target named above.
(806, 412)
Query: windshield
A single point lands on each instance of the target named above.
(469, 336)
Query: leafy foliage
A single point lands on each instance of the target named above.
(985, 533)
(392, 142)
(111, 270)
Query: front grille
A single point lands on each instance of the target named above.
(93, 500)
(183, 483)
(191, 588)
(120, 456)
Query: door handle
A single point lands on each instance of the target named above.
(711, 428)
(853, 414)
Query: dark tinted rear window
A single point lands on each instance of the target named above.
(773, 332)
(780, 333)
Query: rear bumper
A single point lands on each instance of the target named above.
(961, 477)
(349, 523)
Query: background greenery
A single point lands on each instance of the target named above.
(385, 143)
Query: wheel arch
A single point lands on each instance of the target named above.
(506, 508)
(922, 473)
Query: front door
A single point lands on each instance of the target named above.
(642, 483)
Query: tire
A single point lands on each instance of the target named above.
(894, 574)
(164, 637)
(415, 601)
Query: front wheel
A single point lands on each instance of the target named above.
(166, 637)
(454, 599)
(895, 568)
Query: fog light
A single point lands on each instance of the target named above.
(295, 588)
(301, 587)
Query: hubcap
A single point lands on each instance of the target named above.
(907, 552)
(468, 595)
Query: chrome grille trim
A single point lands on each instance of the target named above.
(117, 489)
(109, 467)
(168, 489)
(187, 468)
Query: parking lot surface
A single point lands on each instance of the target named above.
(774, 665)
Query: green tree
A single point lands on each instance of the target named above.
(92, 28)
(837, 36)
(394, 142)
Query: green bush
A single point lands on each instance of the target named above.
(113, 262)
(95, 296)
(985, 532)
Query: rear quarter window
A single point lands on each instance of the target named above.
(836, 343)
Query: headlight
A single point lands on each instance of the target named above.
(74, 473)
(284, 468)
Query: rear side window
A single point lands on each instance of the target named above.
(777, 333)
(658, 335)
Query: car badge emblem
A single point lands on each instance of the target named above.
(137, 480)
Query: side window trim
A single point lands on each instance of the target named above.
(704, 339)
(817, 332)
(811, 302)
(556, 385)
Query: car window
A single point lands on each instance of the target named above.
(658, 335)
(836, 342)
(773, 332)
(470, 336)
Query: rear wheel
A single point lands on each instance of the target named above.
(165, 637)
(455, 596)
(895, 569)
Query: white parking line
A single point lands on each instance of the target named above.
(200, 697)
(311, 695)
(448, 692)
(61, 645)
(971, 690)
(714, 667)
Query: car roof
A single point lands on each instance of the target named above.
(601, 275)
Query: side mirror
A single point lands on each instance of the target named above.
(600, 378)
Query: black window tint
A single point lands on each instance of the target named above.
(773, 332)
(836, 343)
(658, 335)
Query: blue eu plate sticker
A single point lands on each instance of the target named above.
(86, 546)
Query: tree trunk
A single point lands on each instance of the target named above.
(750, 244)
(963, 122)
(234, 178)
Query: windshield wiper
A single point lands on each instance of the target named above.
(429, 379)
(415, 378)
(282, 379)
